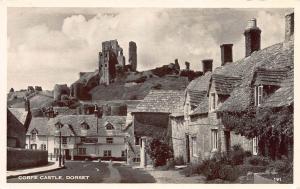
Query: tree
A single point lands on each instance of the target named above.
(11, 90)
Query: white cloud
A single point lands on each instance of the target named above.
(42, 54)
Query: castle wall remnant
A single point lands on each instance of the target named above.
(60, 90)
(110, 59)
(132, 59)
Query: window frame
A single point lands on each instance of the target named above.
(64, 140)
(258, 95)
(213, 103)
(109, 140)
(81, 151)
(214, 139)
(107, 153)
(194, 146)
(255, 146)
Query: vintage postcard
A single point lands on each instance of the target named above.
(149, 94)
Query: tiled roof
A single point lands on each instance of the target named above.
(200, 83)
(141, 129)
(284, 96)
(202, 108)
(162, 101)
(276, 57)
(197, 91)
(20, 114)
(72, 125)
(225, 84)
(270, 77)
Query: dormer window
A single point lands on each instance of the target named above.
(33, 135)
(258, 95)
(109, 126)
(84, 128)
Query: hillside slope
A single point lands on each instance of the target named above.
(137, 91)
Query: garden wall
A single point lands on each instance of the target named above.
(18, 158)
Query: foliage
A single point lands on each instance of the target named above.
(248, 153)
(245, 168)
(214, 169)
(258, 160)
(282, 166)
(159, 151)
(11, 90)
(237, 155)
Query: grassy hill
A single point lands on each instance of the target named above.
(137, 91)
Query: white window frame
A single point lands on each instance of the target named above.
(255, 146)
(258, 95)
(43, 147)
(64, 140)
(107, 153)
(214, 139)
(194, 146)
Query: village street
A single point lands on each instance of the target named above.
(105, 172)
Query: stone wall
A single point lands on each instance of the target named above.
(18, 158)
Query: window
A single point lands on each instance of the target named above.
(136, 159)
(212, 101)
(107, 153)
(123, 153)
(137, 140)
(109, 126)
(56, 151)
(109, 140)
(255, 145)
(214, 139)
(43, 147)
(258, 95)
(81, 151)
(64, 140)
(33, 136)
(82, 139)
(33, 146)
(194, 146)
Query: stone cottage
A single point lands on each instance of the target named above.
(151, 119)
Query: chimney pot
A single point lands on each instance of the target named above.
(226, 53)
(207, 65)
(289, 26)
(187, 65)
(252, 37)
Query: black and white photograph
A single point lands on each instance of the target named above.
(177, 95)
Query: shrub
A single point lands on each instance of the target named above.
(248, 153)
(237, 155)
(282, 166)
(159, 151)
(213, 169)
(258, 160)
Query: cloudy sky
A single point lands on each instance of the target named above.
(51, 45)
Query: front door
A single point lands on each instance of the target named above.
(67, 154)
(187, 139)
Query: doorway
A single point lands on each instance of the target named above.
(187, 142)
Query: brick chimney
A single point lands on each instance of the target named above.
(27, 104)
(187, 65)
(226, 53)
(289, 26)
(207, 65)
(252, 37)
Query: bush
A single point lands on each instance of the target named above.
(282, 166)
(258, 160)
(248, 153)
(213, 169)
(159, 152)
(237, 155)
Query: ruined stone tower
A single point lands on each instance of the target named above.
(132, 59)
(110, 60)
(252, 37)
